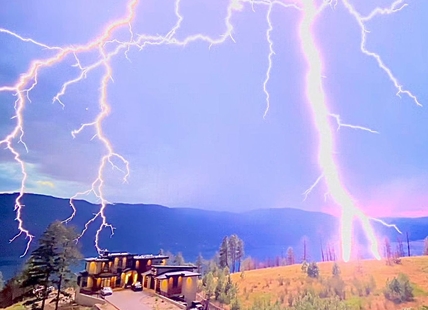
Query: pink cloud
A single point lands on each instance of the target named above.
(398, 198)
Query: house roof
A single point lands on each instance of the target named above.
(104, 256)
(120, 254)
(96, 259)
(148, 272)
(178, 273)
(175, 267)
(150, 256)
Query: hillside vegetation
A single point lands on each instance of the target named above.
(361, 284)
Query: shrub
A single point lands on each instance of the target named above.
(399, 289)
(235, 305)
(370, 286)
(313, 270)
(337, 286)
(304, 267)
(310, 301)
(336, 270)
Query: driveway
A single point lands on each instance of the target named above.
(130, 300)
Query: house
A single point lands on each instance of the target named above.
(172, 281)
(115, 270)
(119, 270)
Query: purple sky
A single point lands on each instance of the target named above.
(190, 119)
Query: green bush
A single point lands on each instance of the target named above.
(304, 267)
(336, 270)
(337, 286)
(312, 302)
(313, 270)
(399, 289)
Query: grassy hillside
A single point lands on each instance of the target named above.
(284, 283)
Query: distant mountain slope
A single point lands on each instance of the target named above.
(147, 228)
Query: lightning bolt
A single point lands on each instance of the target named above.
(28, 81)
(314, 92)
(395, 7)
(318, 102)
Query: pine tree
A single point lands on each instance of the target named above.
(400, 248)
(209, 285)
(322, 252)
(1, 281)
(387, 250)
(199, 263)
(290, 256)
(426, 246)
(305, 249)
(57, 251)
(313, 270)
(179, 259)
(239, 252)
(171, 258)
(408, 243)
(233, 244)
(224, 253)
(221, 283)
(336, 270)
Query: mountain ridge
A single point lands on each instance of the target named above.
(146, 228)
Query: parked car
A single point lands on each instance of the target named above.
(106, 291)
(137, 287)
(196, 305)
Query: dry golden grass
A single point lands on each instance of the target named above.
(282, 283)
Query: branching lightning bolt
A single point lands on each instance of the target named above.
(271, 53)
(358, 127)
(395, 7)
(317, 100)
(314, 91)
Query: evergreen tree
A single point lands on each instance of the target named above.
(1, 281)
(387, 250)
(50, 262)
(171, 258)
(290, 256)
(305, 249)
(224, 253)
(219, 289)
(233, 244)
(313, 270)
(179, 259)
(209, 285)
(399, 289)
(213, 267)
(425, 246)
(408, 243)
(304, 267)
(199, 263)
(400, 248)
(336, 270)
(239, 252)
